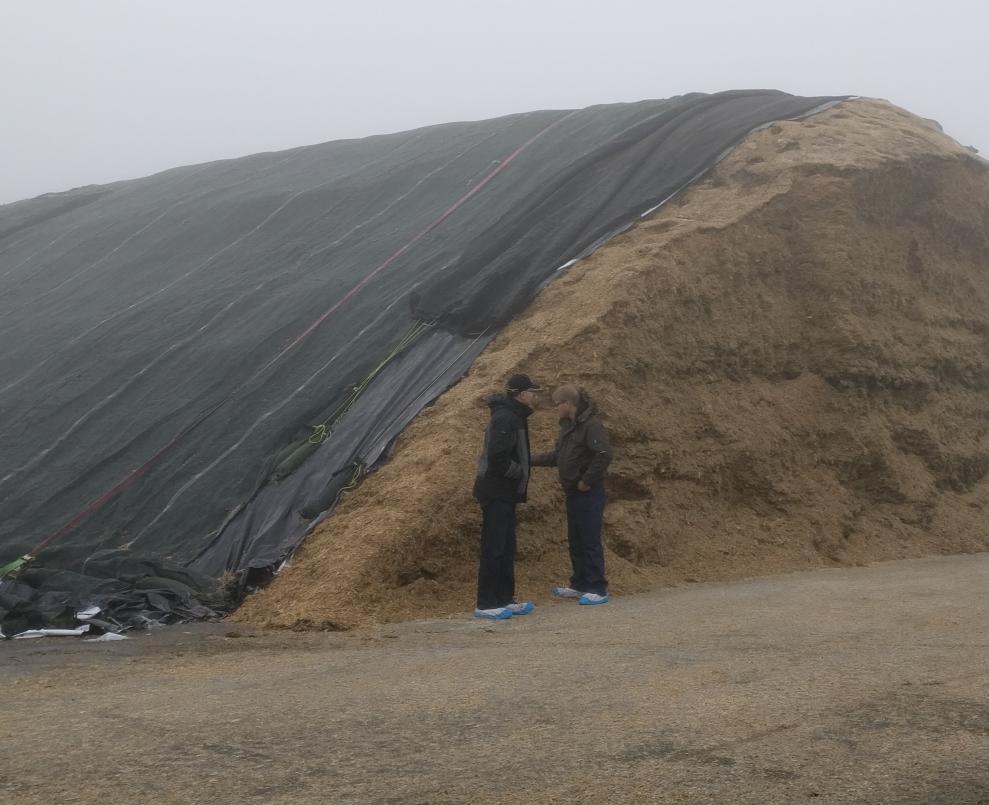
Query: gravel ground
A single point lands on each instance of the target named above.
(845, 685)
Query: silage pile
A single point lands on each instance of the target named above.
(793, 358)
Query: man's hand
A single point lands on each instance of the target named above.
(582, 487)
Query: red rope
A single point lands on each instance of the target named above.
(98, 503)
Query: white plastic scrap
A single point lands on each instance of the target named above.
(105, 638)
(86, 614)
(31, 633)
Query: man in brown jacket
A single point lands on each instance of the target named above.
(582, 455)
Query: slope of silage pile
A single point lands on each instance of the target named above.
(793, 357)
(196, 364)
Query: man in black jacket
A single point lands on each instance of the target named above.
(582, 455)
(501, 484)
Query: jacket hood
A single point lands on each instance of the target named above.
(586, 408)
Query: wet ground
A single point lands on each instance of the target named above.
(845, 685)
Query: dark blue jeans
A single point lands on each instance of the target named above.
(496, 574)
(585, 516)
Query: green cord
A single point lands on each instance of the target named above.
(12, 568)
(322, 431)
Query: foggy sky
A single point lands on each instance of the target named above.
(94, 91)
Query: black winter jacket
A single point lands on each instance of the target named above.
(503, 467)
(582, 452)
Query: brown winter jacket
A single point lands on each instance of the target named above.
(582, 451)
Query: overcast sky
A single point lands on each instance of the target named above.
(99, 90)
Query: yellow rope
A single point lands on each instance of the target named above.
(321, 432)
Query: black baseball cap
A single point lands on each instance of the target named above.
(520, 383)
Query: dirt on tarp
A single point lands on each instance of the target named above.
(793, 360)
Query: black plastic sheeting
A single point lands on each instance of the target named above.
(273, 523)
(593, 197)
(130, 594)
(170, 344)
